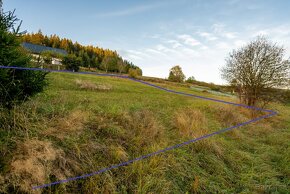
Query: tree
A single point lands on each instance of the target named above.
(109, 63)
(134, 73)
(121, 66)
(47, 57)
(105, 64)
(255, 69)
(113, 64)
(176, 74)
(15, 85)
(191, 79)
(72, 62)
(91, 56)
(86, 62)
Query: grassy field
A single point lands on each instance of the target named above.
(83, 123)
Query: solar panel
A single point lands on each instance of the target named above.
(34, 48)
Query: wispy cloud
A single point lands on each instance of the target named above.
(188, 40)
(131, 10)
(230, 35)
(219, 29)
(208, 36)
(175, 44)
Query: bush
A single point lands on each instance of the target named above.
(190, 80)
(15, 85)
(72, 62)
(176, 74)
(134, 73)
(47, 58)
(216, 88)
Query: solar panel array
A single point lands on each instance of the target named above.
(34, 48)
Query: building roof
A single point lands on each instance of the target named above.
(34, 48)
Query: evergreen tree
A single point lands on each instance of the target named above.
(15, 85)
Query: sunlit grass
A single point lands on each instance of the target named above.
(88, 129)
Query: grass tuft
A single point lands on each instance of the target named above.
(32, 163)
(193, 124)
(190, 123)
(87, 85)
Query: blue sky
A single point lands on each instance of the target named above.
(158, 34)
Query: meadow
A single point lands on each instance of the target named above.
(83, 123)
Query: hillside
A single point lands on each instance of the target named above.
(83, 123)
(89, 56)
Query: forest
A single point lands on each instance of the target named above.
(89, 56)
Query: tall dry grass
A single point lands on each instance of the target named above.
(33, 163)
(193, 124)
(88, 85)
(69, 125)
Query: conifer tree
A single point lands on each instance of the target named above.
(15, 85)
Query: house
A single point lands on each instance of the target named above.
(37, 50)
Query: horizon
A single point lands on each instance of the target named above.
(156, 35)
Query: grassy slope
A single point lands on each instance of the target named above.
(67, 131)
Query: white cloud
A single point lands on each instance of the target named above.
(188, 40)
(201, 60)
(240, 43)
(175, 44)
(162, 48)
(219, 29)
(208, 36)
(229, 35)
(153, 51)
(223, 45)
(279, 34)
(261, 32)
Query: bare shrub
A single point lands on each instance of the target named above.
(256, 69)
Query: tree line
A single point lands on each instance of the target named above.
(85, 56)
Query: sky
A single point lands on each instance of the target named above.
(157, 34)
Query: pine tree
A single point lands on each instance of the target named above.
(15, 85)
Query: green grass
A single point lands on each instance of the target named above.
(67, 131)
